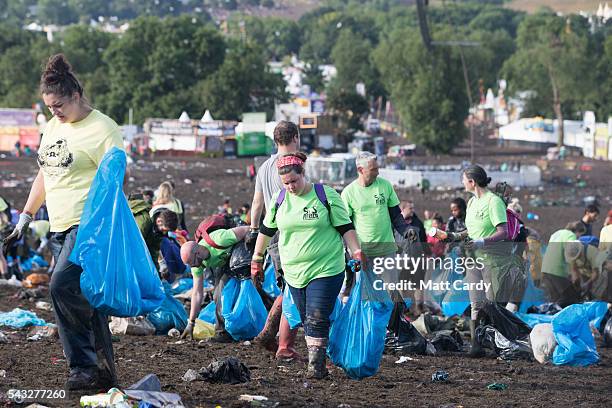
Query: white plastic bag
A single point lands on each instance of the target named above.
(543, 342)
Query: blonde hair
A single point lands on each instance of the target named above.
(165, 193)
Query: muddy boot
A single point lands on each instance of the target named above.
(286, 342)
(317, 349)
(267, 338)
(475, 350)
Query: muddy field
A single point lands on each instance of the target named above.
(202, 185)
(40, 365)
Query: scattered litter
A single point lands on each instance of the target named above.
(19, 318)
(543, 342)
(187, 181)
(251, 398)
(174, 333)
(36, 279)
(439, 376)
(203, 330)
(36, 333)
(497, 386)
(13, 281)
(112, 397)
(3, 373)
(3, 338)
(36, 406)
(246, 343)
(190, 375)
(135, 326)
(149, 382)
(43, 305)
(403, 359)
(229, 370)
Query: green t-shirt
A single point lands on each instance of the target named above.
(309, 246)
(368, 207)
(484, 214)
(223, 237)
(554, 262)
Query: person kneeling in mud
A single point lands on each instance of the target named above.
(311, 220)
(200, 256)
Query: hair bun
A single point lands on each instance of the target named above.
(58, 65)
(488, 180)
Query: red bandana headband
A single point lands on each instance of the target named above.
(289, 161)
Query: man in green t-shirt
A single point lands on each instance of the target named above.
(202, 255)
(560, 277)
(373, 206)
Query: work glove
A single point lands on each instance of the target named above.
(475, 244)
(20, 228)
(251, 239)
(411, 234)
(257, 272)
(188, 332)
(357, 261)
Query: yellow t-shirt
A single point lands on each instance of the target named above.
(69, 156)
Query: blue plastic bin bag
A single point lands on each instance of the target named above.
(357, 336)
(290, 309)
(182, 285)
(575, 342)
(534, 318)
(597, 311)
(246, 316)
(455, 301)
(208, 313)
(292, 314)
(19, 318)
(171, 314)
(119, 277)
(269, 284)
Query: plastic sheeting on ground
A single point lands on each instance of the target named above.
(170, 314)
(242, 309)
(575, 342)
(19, 318)
(357, 336)
(119, 277)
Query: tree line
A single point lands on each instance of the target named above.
(162, 65)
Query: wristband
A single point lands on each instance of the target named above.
(258, 259)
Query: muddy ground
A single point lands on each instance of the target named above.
(40, 364)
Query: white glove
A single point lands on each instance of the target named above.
(21, 227)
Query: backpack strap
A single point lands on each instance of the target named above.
(212, 243)
(320, 191)
(279, 201)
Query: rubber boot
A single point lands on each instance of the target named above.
(475, 350)
(317, 355)
(286, 342)
(267, 338)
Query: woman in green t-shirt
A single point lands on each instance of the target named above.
(486, 223)
(311, 222)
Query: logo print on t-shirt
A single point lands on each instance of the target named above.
(380, 199)
(55, 159)
(310, 214)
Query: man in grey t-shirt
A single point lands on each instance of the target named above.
(287, 139)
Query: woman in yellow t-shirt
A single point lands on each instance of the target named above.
(311, 221)
(71, 149)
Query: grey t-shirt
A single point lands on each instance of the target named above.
(268, 181)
